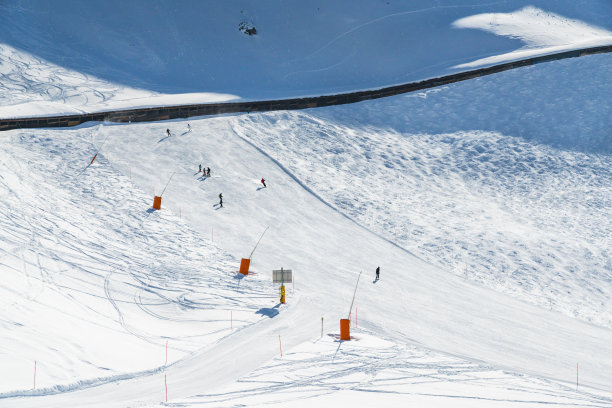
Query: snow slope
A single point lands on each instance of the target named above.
(148, 276)
(524, 215)
(486, 203)
(86, 286)
(71, 56)
(34, 87)
(541, 31)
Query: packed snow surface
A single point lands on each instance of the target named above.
(540, 31)
(97, 285)
(486, 203)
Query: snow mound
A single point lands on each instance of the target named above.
(541, 31)
(32, 87)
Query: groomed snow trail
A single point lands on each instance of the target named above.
(326, 249)
(94, 282)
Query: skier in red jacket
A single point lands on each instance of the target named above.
(263, 181)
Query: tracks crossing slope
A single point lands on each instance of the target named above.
(185, 111)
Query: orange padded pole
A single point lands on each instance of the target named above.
(244, 266)
(345, 329)
(157, 203)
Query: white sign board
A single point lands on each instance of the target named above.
(282, 276)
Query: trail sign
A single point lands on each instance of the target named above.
(282, 276)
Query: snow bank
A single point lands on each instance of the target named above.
(542, 32)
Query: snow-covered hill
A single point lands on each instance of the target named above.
(71, 56)
(486, 203)
(147, 277)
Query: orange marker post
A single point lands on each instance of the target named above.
(244, 266)
(345, 329)
(157, 203)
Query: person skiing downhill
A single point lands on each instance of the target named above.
(168, 132)
(199, 171)
(208, 171)
(378, 273)
(263, 181)
(220, 200)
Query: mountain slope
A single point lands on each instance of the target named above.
(69, 56)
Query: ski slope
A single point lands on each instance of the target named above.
(486, 203)
(71, 57)
(100, 264)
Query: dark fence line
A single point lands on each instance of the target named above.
(186, 111)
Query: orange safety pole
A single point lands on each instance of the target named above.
(345, 329)
(157, 202)
(244, 265)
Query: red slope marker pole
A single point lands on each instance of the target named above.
(98, 151)
(166, 385)
(281, 346)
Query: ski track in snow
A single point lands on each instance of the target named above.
(76, 254)
(519, 217)
(334, 378)
(112, 267)
(382, 371)
(504, 181)
(317, 55)
(31, 86)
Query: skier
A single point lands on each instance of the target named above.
(263, 181)
(378, 273)
(220, 200)
(188, 127)
(168, 132)
(199, 171)
(208, 171)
